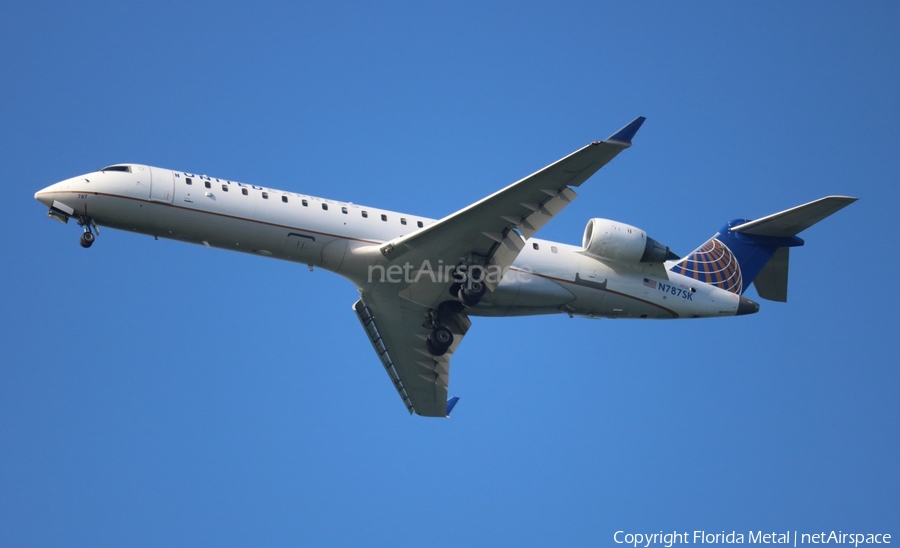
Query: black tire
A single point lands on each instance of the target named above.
(87, 240)
(454, 289)
(440, 340)
(446, 310)
(471, 293)
(434, 351)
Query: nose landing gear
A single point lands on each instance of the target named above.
(90, 227)
(87, 239)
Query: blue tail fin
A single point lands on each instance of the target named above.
(742, 249)
(731, 260)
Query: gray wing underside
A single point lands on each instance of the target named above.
(397, 331)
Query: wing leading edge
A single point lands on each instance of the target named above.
(496, 226)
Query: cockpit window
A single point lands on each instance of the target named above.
(126, 169)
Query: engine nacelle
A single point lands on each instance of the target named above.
(615, 241)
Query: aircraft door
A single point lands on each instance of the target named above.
(162, 185)
(301, 248)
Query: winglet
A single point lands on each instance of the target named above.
(626, 134)
(451, 403)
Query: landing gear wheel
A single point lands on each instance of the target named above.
(87, 239)
(90, 227)
(439, 341)
(471, 292)
(446, 311)
(454, 289)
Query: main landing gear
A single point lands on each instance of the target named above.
(469, 290)
(90, 227)
(441, 338)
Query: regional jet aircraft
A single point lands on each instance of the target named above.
(420, 280)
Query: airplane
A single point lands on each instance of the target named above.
(420, 280)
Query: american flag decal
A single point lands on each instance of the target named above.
(649, 283)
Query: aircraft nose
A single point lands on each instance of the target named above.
(746, 306)
(45, 195)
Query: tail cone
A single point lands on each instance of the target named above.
(747, 306)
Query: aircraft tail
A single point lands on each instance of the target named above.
(757, 252)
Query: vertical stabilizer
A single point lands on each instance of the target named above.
(772, 281)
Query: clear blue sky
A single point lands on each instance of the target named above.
(154, 393)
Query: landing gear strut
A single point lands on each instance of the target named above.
(441, 338)
(88, 237)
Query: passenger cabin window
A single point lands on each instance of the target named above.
(383, 217)
(535, 246)
(402, 221)
(419, 224)
(304, 202)
(365, 214)
(208, 185)
(187, 180)
(284, 199)
(325, 207)
(553, 249)
(244, 191)
(344, 210)
(265, 195)
(124, 169)
(224, 188)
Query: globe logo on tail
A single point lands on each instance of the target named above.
(712, 263)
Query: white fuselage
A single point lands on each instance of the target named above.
(547, 277)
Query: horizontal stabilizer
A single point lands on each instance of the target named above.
(791, 222)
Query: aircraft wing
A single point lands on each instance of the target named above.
(494, 230)
(398, 317)
(397, 330)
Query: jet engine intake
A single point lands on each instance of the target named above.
(614, 241)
